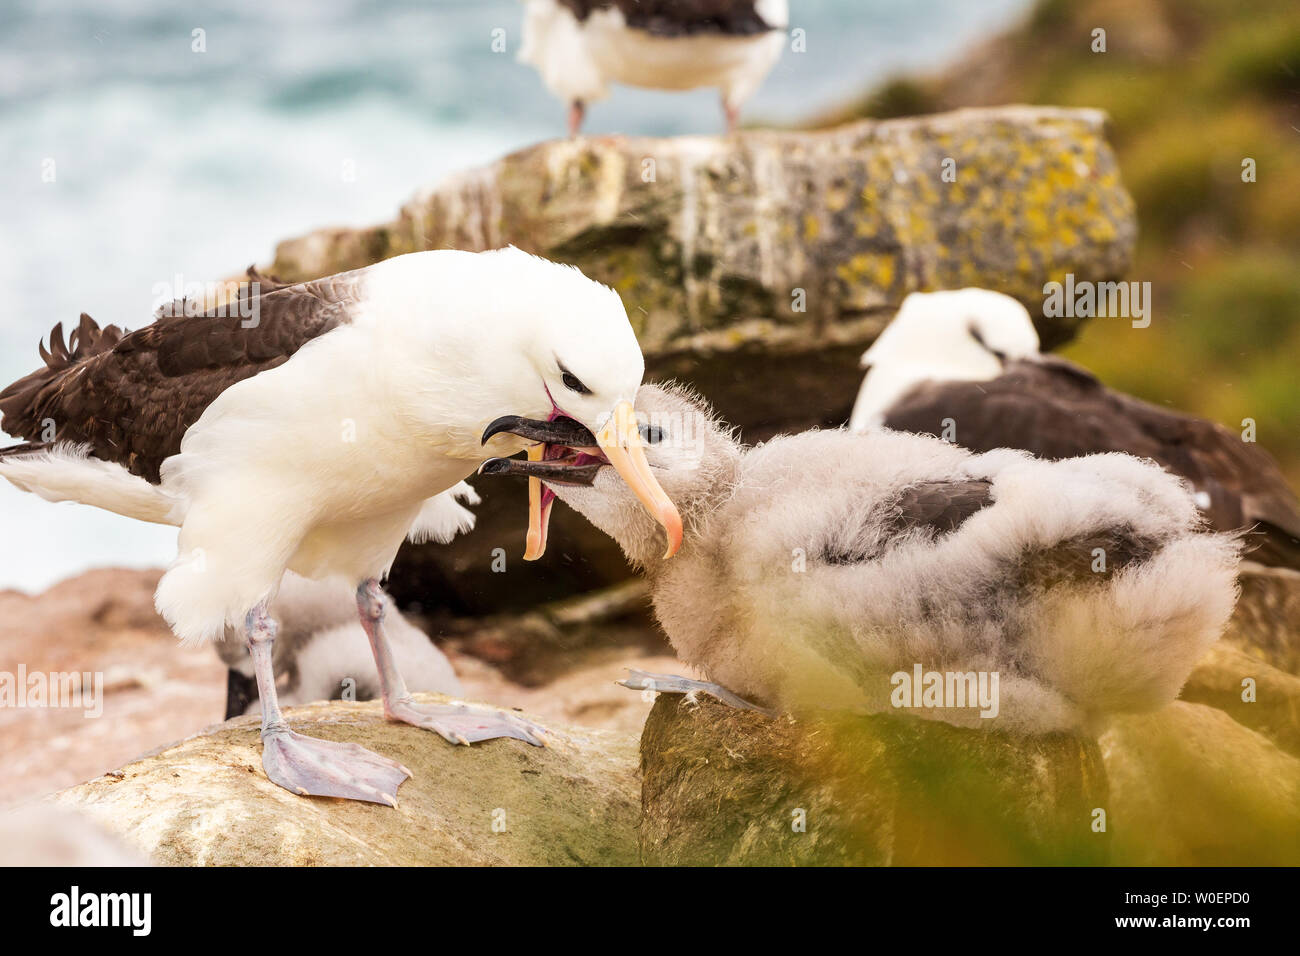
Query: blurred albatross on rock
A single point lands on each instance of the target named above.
(816, 566)
(310, 435)
(964, 365)
(580, 46)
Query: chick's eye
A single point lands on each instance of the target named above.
(573, 383)
(651, 434)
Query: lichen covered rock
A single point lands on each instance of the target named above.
(703, 235)
(724, 786)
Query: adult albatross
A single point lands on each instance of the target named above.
(964, 365)
(817, 567)
(310, 436)
(579, 46)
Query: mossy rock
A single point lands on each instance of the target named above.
(729, 787)
(806, 229)
(1190, 786)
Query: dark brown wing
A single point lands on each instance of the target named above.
(1088, 559)
(676, 18)
(132, 397)
(1055, 409)
(939, 507)
(931, 507)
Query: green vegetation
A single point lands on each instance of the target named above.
(1194, 88)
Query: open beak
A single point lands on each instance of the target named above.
(568, 453)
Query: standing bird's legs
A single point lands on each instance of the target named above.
(732, 112)
(457, 723)
(577, 110)
(306, 765)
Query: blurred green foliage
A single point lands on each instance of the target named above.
(1193, 88)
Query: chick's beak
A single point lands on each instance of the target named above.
(620, 441)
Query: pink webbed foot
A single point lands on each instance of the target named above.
(466, 723)
(309, 766)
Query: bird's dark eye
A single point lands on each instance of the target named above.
(651, 434)
(573, 383)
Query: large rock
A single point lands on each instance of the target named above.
(701, 235)
(757, 267)
(1189, 786)
(723, 786)
(206, 801)
(1266, 621)
(1254, 694)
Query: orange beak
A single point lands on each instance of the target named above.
(620, 441)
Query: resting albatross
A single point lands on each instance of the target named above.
(310, 437)
(965, 365)
(817, 566)
(579, 46)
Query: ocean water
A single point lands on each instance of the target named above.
(167, 161)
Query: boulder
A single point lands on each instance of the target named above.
(756, 267)
(704, 236)
(724, 786)
(1250, 691)
(1266, 622)
(206, 801)
(1189, 786)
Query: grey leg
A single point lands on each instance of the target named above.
(306, 765)
(732, 113)
(577, 110)
(672, 684)
(456, 723)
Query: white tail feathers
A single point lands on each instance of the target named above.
(1129, 646)
(68, 473)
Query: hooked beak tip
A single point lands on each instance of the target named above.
(494, 428)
